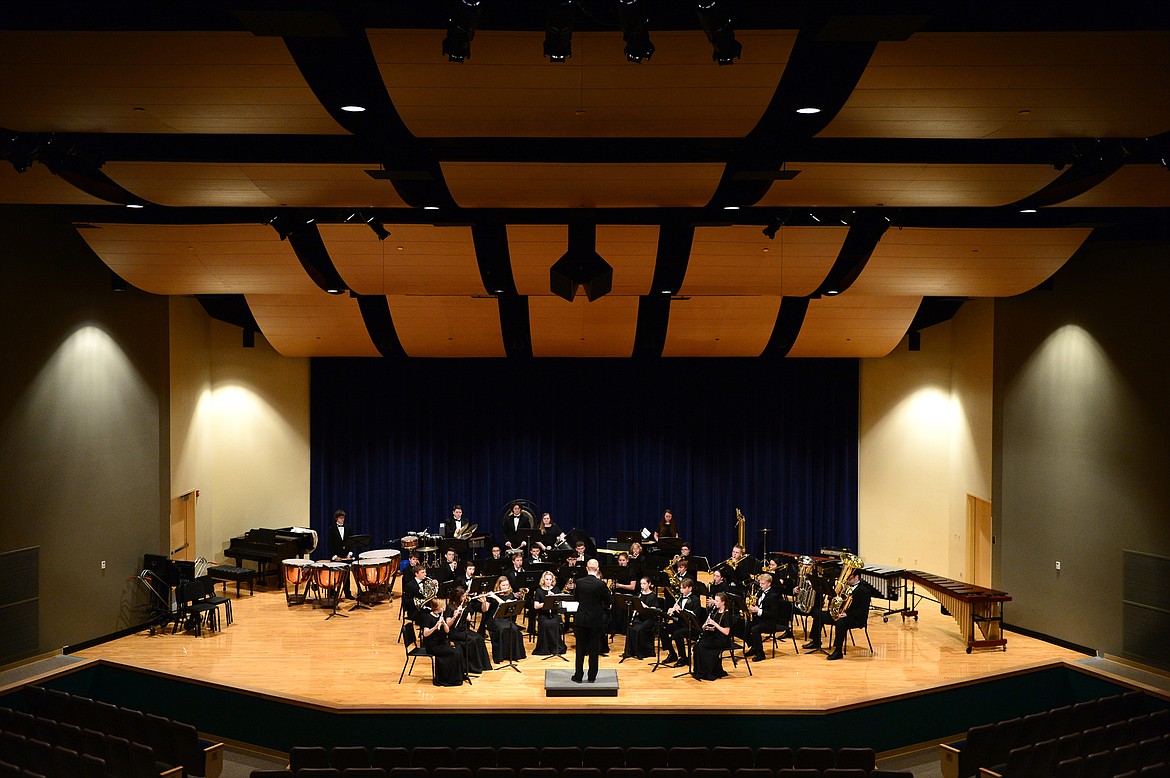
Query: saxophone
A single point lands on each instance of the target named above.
(842, 591)
(806, 594)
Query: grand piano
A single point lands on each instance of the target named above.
(269, 547)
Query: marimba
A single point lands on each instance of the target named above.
(979, 611)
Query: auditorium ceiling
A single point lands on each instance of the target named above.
(771, 179)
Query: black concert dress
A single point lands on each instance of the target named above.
(640, 635)
(507, 639)
(448, 661)
(469, 643)
(712, 643)
(549, 638)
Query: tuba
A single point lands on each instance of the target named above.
(806, 593)
(842, 591)
(427, 589)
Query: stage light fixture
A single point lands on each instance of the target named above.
(776, 222)
(716, 21)
(462, 19)
(581, 266)
(635, 24)
(378, 227)
(558, 34)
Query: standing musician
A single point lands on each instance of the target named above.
(625, 582)
(454, 525)
(551, 535)
(589, 623)
(411, 590)
(435, 628)
(449, 568)
(518, 519)
(770, 611)
(549, 639)
(338, 532)
(676, 634)
(714, 640)
(853, 617)
(469, 642)
(640, 634)
(666, 526)
(507, 639)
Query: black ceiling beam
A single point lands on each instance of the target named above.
(515, 326)
(375, 310)
(865, 230)
(675, 237)
(229, 308)
(1089, 169)
(935, 310)
(305, 239)
(491, 254)
(342, 71)
(789, 320)
(653, 320)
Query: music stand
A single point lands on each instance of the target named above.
(552, 604)
(693, 628)
(631, 605)
(510, 610)
(527, 537)
(462, 548)
(670, 546)
(700, 564)
(356, 542)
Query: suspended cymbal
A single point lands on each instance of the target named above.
(426, 549)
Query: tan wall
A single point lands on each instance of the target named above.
(925, 442)
(239, 429)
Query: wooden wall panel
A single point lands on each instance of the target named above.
(854, 325)
(448, 326)
(720, 326)
(602, 328)
(419, 259)
(312, 325)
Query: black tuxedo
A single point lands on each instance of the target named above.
(589, 624)
(444, 573)
(776, 613)
(410, 590)
(856, 616)
(676, 634)
(450, 527)
(512, 529)
(335, 543)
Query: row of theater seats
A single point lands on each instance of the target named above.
(74, 722)
(988, 745)
(1072, 757)
(583, 772)
(587, 762)
(107, 756)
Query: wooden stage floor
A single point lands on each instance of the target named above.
(354, 664)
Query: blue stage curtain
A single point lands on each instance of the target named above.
(604, 445)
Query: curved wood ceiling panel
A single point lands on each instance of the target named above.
(419, 259)
(508, 89)
(200, 259)
(448, 326)
(1138, 186)
(853, 185)
(581, 185)
(720, 326)
(741, 260)
(312, 325)
(631, 250)
(212, 82)
(187, 184)
(602, 328)
(39, 186)
(1012, 85)
(965, 263)
(854, 326)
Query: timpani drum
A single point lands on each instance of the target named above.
(372, 576)
(296, 573)
(328, 578)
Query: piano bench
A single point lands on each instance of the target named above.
(226, 573)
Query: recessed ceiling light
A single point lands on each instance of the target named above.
(830, 291)
(430, 207)
(731, 207)
(353, 108)
(1027, 210)
(135, 205)
(666, 291)
(808, 110)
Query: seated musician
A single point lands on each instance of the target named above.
(411, 560)
(435, 638)
(770, 614)
(666, 526)
(577, 561)
(715, 638)
(549, 637)
(682, 569)
(677, 633)
(469, 642)
(449, 568)
(719, 583)
(637, 560)
(507, 639)
(853, 617)
(411, 590)
(686, 550)
(466, 578)
(535, 556)
(640, 633)
(514, 570)
(551, 535)
(497, 552)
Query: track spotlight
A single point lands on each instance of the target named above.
(558, 35)
(775, 224)
(378, 228)
(716, 21)
(635, 23)
(462, 19)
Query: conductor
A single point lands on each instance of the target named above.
(589, 623)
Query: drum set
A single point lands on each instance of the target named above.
(323, 582)
(426, 544)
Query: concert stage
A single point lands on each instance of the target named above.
(275, 662)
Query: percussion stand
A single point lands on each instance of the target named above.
(337, 599)
(510, 610)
